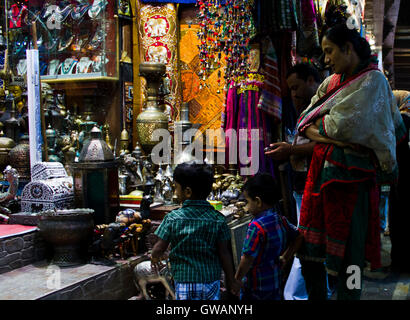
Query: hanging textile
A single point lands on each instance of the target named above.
(308, 36)
(243, 113)
(206, 102)
(158, 43)
(270, 100)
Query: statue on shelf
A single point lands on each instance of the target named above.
(130, 167)
(159, 178)
(168, 191)
(148, 177)
(12, 177)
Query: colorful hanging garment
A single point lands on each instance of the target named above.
(308, 36)
(270, 100)
(243, 113)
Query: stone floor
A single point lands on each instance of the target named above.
(385, 285)
(41, 280)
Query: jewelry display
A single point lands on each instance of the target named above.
(79, 43)
(69, 42)
(84, 65)
(78, 12)
(53, 67)
(17, 16)
(98, 62)
(20, 44)
(43, 68)
(68, 66)
(51, 44)
(56, 15)
(64, 44)
(22, 67)
(96, 8)
(97, 39)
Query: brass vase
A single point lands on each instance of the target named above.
(152, 117)
(19, 156)
(6, 144)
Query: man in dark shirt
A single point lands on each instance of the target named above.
(303, 80)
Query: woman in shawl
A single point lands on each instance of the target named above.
(355, 120)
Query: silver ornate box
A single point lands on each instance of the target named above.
(50, 188)
(48, 170)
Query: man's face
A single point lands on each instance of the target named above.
(301, 91)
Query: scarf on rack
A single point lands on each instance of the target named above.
(242, 112)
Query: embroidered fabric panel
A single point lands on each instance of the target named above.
(158, 43)
(206, 104)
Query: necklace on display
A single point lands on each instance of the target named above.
(53, 67)
(68, 65)
(83, 65)
(64, 44)
(22, 67)
(97, 39)
(15, 15)
(96, 8)
(98, 62)
(78, 12)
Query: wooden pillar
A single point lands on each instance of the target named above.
(391, 10)
(137, 101)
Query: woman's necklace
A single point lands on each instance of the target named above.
(65, 44)
(96, 8)
(22, 67)
(53, 67)
(83, 65)
(68, 66)
(78, 12)
(15, 15)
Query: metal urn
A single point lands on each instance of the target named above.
(152, 117)
(19, 156)
(69, 232)
(6, 144)
(96, 179)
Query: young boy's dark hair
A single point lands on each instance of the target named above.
(264, 186)
(199, 177)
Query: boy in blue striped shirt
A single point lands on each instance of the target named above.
(268, 236)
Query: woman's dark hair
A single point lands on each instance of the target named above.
(198, 177)
(336, 30)
(264, 186)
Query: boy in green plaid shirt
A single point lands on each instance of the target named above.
(198, 235)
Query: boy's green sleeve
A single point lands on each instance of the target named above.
(225, 232)
(164, 229)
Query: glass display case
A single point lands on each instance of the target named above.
(76, 39)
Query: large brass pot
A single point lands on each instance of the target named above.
(6, 144)
(152, 117)
(69, 232)
(19, 157)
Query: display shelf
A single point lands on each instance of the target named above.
(76, 40)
